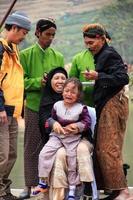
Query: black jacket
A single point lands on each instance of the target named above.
(112, 76)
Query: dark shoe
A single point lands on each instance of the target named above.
(71, 197)
(2, 198)
(11, 196)
(25, 194)
(112, 196)
(107, 192)
(8, 196)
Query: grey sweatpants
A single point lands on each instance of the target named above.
(48, 154)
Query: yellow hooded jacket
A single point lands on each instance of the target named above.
(11, 81)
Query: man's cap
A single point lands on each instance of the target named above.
(20, 19)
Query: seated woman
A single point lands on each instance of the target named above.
(52, 92)
(64, 113)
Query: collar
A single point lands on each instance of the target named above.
(43, 50)
(104, 46)
(7, 47)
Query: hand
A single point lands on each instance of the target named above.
(91, 75)
(71, 129)
(3, 117)
(58, 128)
(44, 79)
(43, 82)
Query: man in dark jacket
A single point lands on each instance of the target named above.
(111, 104)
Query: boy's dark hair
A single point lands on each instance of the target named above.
(78, 84)
(44, 24)
(8, 27)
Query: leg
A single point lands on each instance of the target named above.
(13, 135)
(4, 152)
(58, 178)
(84, 159)
(32, 147)
(47, 156)
(109, 144)
(46, 160)
(85, 164)
(70, 144)
(8, 149)
(57, 193)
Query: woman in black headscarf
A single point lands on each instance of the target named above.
(52, 92)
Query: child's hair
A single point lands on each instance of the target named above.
(77, 84)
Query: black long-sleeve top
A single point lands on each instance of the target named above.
(112, 76)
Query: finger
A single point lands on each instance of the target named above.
(62, 131)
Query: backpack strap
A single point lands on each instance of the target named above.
(1, 92)
(2, 49)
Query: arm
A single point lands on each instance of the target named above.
(54, 124)
(31, 83)
(47, 123)
(1, 101)
(3, 115)
(74, 72)
(84, 120)
(44, 114)
(114, 73)
(82, 125)
(1, 77)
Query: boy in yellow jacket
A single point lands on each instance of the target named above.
(17, 26)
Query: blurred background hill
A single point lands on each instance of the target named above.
(71, 15)
(40, 8)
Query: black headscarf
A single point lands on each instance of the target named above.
(49, 97)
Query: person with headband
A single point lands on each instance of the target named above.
(36, 60)
(17, 25)
(110, 76)
(81, 62)
(59, 176)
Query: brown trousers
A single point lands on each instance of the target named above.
(110, 137)
(8, 152)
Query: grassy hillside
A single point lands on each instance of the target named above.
(117, 18)
(71, 15)
(41, 8)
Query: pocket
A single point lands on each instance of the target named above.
(9, 110)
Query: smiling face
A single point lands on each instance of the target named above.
(70, 94)
(94, 44)
(57, 82)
